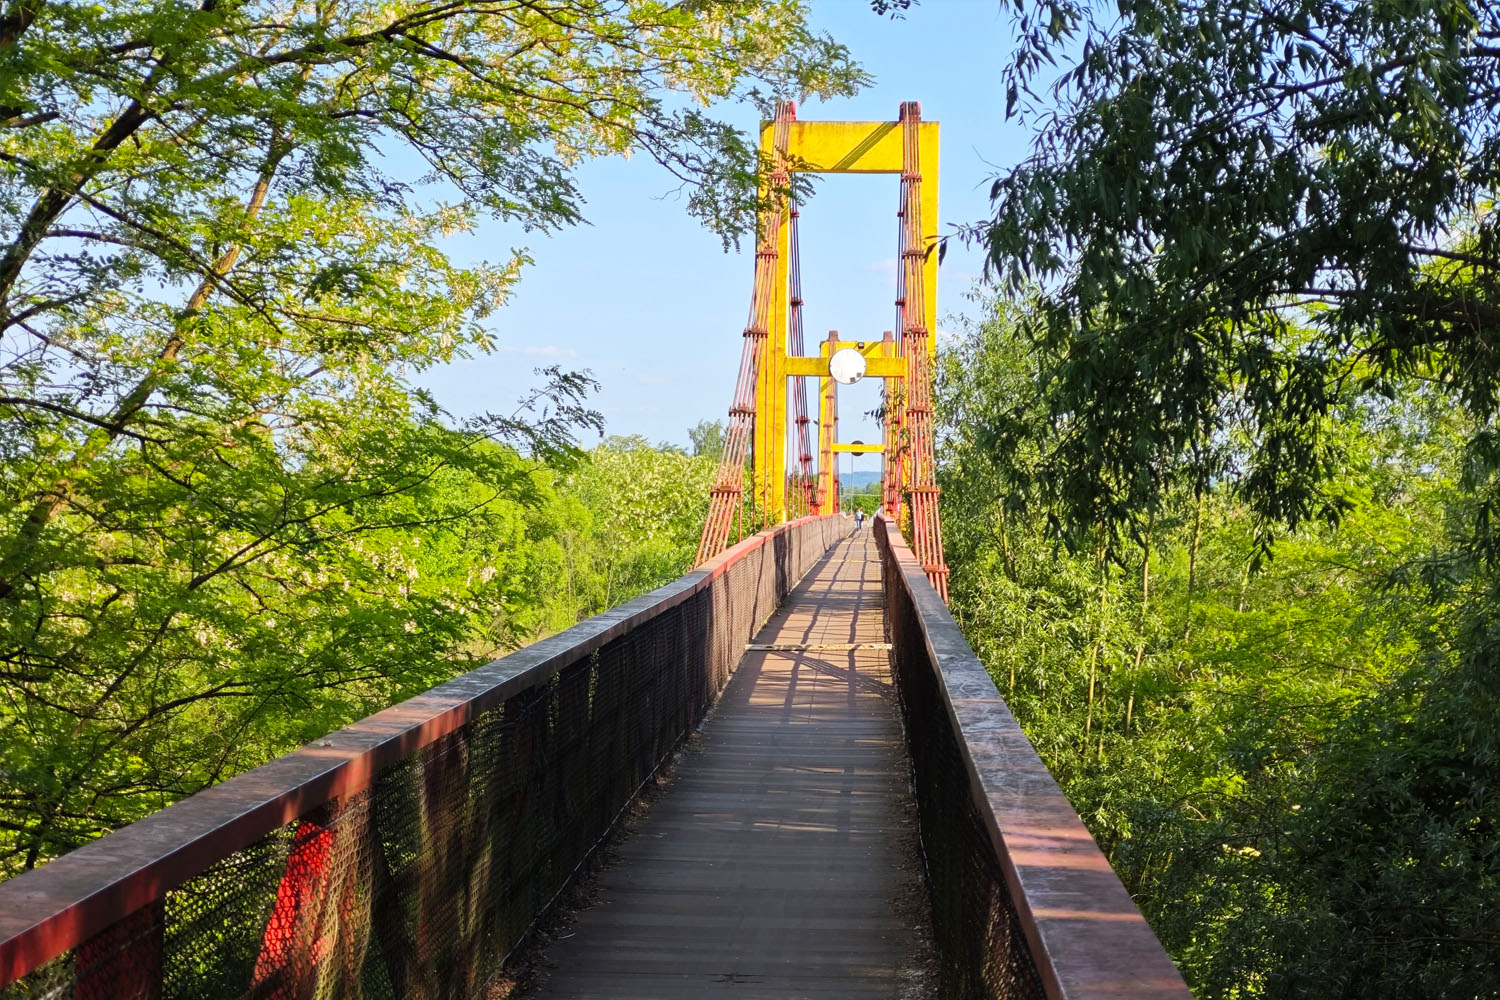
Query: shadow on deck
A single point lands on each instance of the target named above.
(782, 860)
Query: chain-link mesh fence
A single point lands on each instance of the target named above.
(433, 863)
(1024, 904)
(981, 946)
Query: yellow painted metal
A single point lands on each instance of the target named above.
(860, 448)
(874, 367)
(770, 459)
(781, 312)
(831, 148)
(828, 486)
(873, 148)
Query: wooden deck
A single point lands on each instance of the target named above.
(781, 860)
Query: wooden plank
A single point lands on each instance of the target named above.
(803, 647)
(781, 862)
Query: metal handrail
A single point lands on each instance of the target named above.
(1084, 933)
(48, 911)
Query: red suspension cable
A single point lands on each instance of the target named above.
(802, 424)
(728, 485)
(897, 444)
(927, 531)
(891, 402)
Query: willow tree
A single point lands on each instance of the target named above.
(221, 234)
(1256, 237)
(1239, 214)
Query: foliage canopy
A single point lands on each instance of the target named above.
(1238, 214)
(1251, 273)
(1292, 770)
(227, 519)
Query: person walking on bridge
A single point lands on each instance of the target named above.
(859, 520)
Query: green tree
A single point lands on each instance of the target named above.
(707, 437)
(219, 605)
(865, 498)
(1253, 267)
(1239, 212)
(218, 267)
(646, 508)
(1290, 768)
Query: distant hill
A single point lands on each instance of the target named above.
(858, 480)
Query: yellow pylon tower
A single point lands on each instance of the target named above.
(759, 423)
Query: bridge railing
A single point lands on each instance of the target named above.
(408, 854)
(1024, 903)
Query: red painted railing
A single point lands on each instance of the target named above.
(1024, 903)
(410, 852)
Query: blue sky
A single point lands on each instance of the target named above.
(648, 301)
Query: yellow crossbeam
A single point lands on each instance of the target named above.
(874, 367)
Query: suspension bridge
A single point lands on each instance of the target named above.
(783, 775)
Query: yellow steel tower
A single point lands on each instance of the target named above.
(758, 420)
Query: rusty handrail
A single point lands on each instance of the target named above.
(1084, 933)
(47, 912)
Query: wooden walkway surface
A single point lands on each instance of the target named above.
(781, 860)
